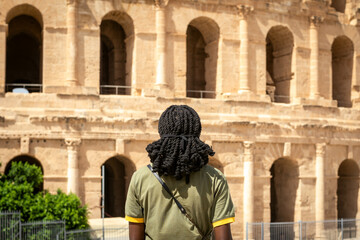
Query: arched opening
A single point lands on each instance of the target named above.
(284, 185)
(24, 54)
(279, 48)
(339, 5)
(216, 164)
(202, 40)
(347, 195)
(116, 54)
(118, 172)
(348, 189)
(342, 51)
(30, 160)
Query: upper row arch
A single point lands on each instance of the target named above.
(25, 9)
(207, 26)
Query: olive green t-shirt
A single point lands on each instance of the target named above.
(206, 199)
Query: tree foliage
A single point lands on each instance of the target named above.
(18, 193)
(25, 173)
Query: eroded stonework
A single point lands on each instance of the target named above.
(276, 84)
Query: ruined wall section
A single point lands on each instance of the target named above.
(74, 126)
(123, 126)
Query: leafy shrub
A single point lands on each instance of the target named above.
(17, 193)
(23, 172)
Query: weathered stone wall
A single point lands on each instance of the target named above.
(72, 130)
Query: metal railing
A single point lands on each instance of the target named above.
(30, 87)
(304, 230)
(278, 98)
(200, 94)
(12, 228)
(44, 230)
(115, 89)
(10, 225)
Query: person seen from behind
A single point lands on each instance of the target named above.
(178, 195)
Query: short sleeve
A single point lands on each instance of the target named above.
(224, 212)
(133, 209)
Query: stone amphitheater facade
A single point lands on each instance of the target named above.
(276, 84)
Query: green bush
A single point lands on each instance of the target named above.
(24, 173)
(17, 193)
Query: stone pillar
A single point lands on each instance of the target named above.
(314, 56)
(244, 85)
(71, 43)
(320, 188)
(355, 96)
(248, 195)
(179, 89)
(161, 43)
(3, 29)
(73, 165)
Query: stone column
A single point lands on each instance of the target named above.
(73, 165)
(355, 96)
(3, 29)
(244, 85)
(161, 43)
(248, 195)
(71, 43)
(314, 56)
(320, 188)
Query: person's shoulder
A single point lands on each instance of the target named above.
(212, 171)
(141, 172)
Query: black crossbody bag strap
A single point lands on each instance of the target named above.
(182, 209)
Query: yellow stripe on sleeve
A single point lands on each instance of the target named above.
(134, 220)
(223, 222)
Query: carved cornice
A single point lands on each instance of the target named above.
(315, 21)
(316, 7)
(244, 10)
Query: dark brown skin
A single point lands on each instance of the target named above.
(137, 232)
(223, 232)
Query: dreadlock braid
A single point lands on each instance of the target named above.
(179, 151)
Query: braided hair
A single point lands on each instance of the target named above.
(179, 151)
